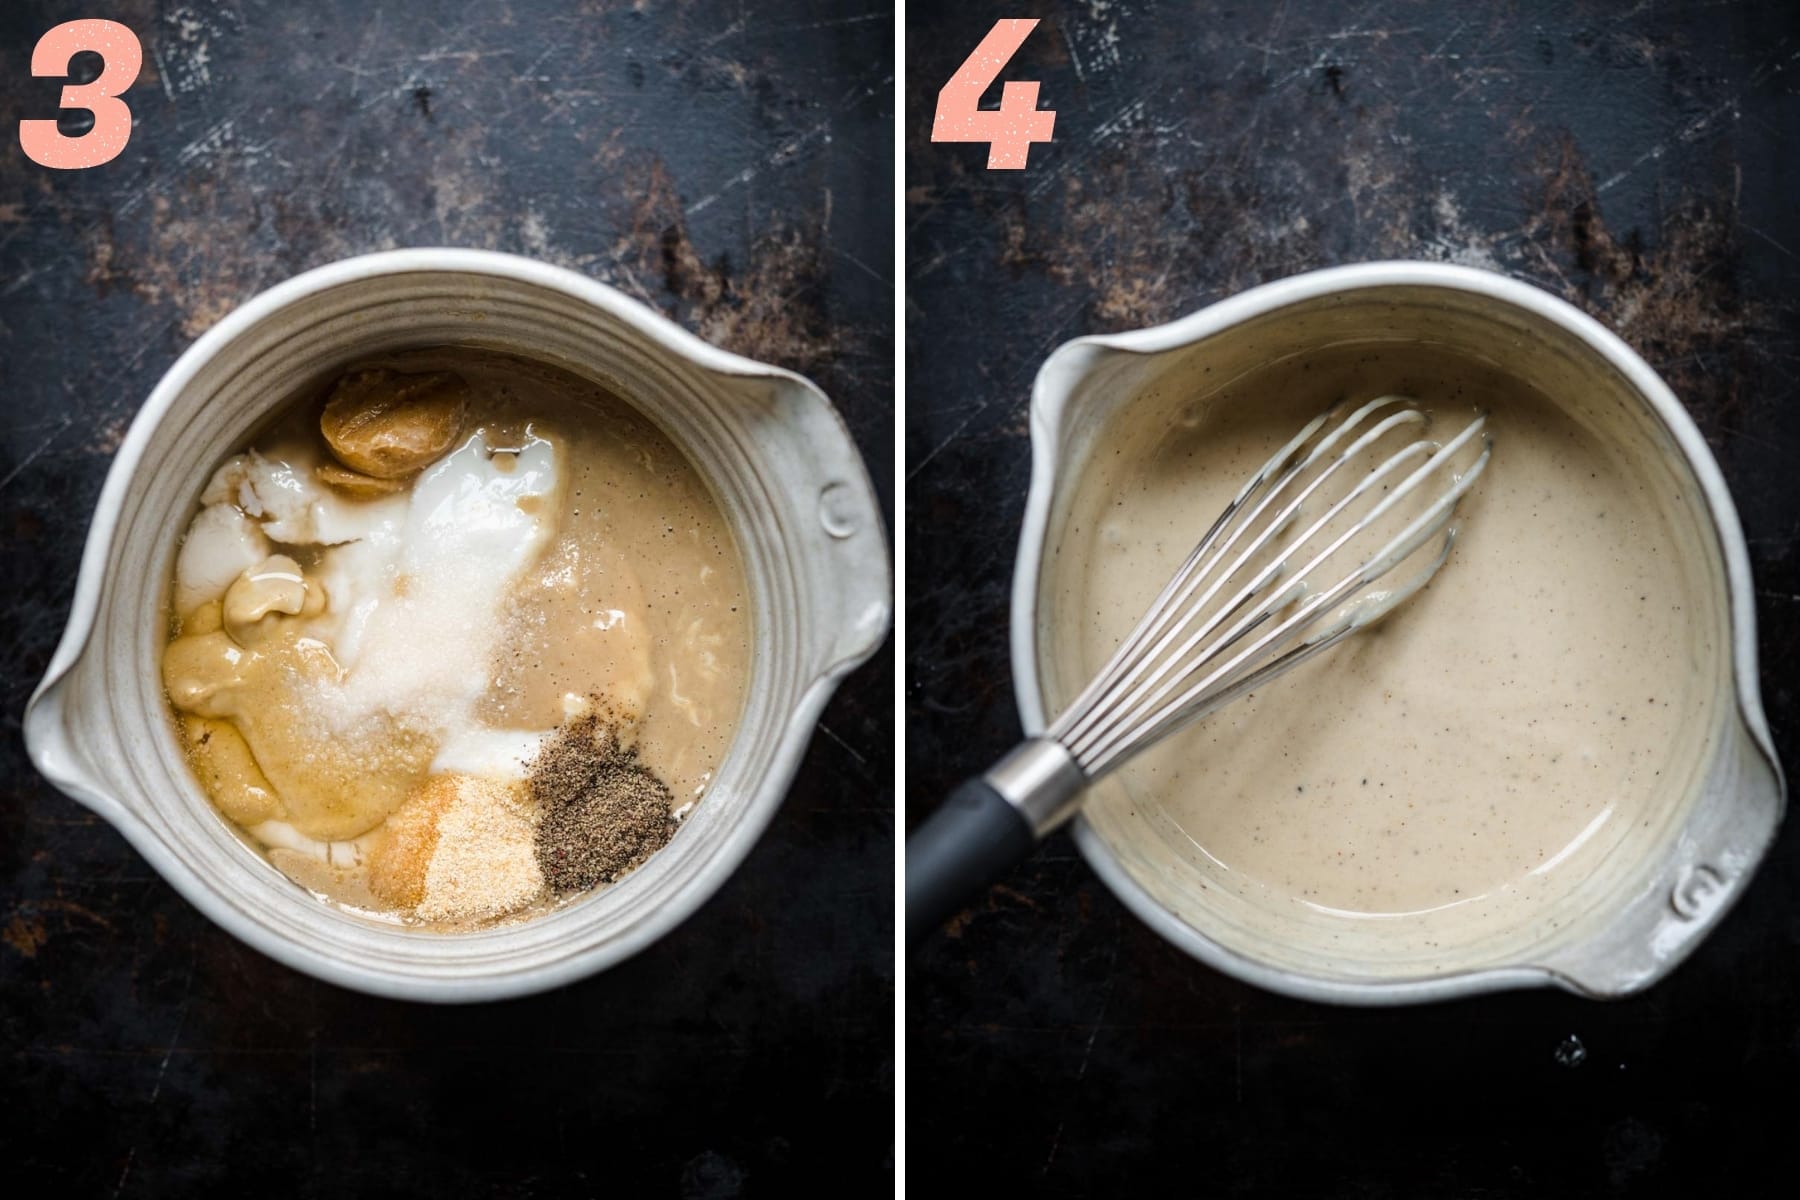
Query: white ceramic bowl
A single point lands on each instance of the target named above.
(1661, 890)
(775, 452)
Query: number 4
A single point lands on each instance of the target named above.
(1019, 122)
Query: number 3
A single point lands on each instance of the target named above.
(43, 143)
(1019, 122)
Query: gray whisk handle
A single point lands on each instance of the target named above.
(969, 842)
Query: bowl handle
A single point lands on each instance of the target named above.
(839, 535)
(56, 746)
(1708, 868)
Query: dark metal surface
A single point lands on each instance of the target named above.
(1634, 159)
(727, 163)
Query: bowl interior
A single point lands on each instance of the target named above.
(1184, 889)
(725, 423)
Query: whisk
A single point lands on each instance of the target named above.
(1299, 560)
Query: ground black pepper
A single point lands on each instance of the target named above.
(602, 811)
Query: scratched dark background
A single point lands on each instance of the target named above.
(1636, 159)
(728, 163)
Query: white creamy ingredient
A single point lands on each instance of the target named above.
(415, 585)
(279, 835)
(340, 658)
(422, 599)
(489, 753)
(221, 544)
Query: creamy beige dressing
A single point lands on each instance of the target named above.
(1457, 770)
(607, 570)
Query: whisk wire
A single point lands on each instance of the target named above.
(1128, 703)
(1131, 660)
(1160, 661)
(1285, 465)
(1236, 614)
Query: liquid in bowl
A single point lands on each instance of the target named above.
(1448, 789)
(517, 666)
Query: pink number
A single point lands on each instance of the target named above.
(1018, 123)
(44, 144)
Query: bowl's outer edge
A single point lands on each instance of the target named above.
(1051, 391)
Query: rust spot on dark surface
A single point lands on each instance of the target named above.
(769, 309)
(1679, 302)
(26, 934)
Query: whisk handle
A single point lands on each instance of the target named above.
(971, 839)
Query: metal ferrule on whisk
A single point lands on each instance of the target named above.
(1040, 778)
(1239, 612)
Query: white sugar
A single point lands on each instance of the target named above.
(415, 583)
